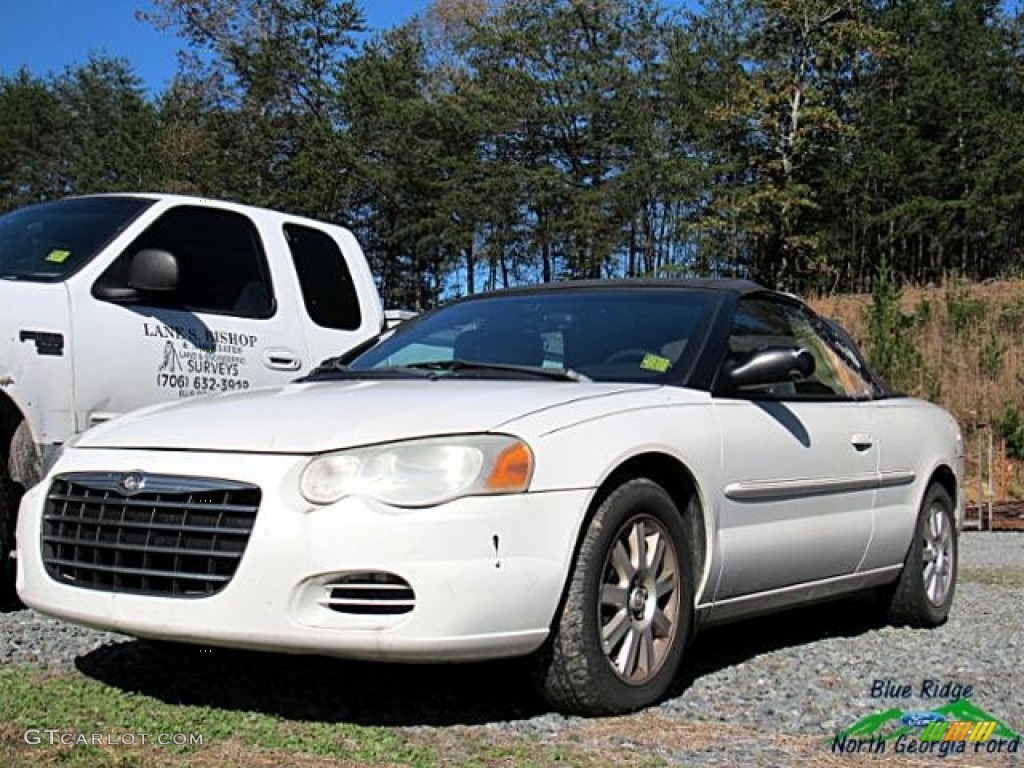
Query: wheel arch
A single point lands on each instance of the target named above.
(944, 475)
(679, 482)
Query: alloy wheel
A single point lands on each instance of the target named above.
(639, 600)
(937, 554)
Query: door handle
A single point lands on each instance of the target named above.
(861, 441)
(281, 359)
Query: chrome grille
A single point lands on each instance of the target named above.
(146, 534)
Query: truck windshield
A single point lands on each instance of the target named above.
(50, 241)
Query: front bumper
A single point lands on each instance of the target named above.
(487, 572)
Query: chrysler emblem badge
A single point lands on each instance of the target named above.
(133, 482)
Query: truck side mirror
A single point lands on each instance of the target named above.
(154, 271)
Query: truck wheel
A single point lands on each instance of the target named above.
(923, 594)
(618, 640)
(8, 512)
(20, 468)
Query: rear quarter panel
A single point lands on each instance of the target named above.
(915, 436)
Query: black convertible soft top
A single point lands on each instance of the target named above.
(726, 285)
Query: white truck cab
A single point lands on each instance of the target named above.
(112, 302)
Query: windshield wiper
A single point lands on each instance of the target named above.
(28, 275)
(337, 371)
(330, 365)
(556, 374)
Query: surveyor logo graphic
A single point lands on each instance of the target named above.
(171, 362)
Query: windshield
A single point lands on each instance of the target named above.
(50, 241)
(618, 334)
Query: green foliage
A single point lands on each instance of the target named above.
(890, 350)
(965, 312)
(1009, 425)
(931, 381)
(484, 144)
(923, 312)
(33, 137)
(1011, 318)
(990, 356)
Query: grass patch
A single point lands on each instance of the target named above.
(77, 706)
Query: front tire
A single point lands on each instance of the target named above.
(924, 592)
(618, 640)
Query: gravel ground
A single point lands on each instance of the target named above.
(764, 692)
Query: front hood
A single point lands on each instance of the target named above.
(326, 416)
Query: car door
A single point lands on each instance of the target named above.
(220, 330)
(799, 461)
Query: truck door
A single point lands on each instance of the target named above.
(221, 329)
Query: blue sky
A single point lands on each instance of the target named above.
(48, 35)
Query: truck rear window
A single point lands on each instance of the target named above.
(49, 242)
(327, 290)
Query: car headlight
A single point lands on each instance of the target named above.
(421, 473)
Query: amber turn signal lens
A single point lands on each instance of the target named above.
(512, 469)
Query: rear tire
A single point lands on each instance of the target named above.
(618, 639)
(923, 594)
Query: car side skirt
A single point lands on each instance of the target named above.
(794, 596)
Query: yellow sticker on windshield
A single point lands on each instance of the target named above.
(655, 363)
(58, 256)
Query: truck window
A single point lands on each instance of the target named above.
(48, 242)
(327, 289)
(222, 266)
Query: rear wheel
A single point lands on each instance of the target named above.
(618, 640)
(924, 592)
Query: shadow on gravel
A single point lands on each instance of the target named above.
(333, 690)
(731, 644)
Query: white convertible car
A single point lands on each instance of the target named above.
(582, 473)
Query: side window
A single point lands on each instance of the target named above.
(327, 289)
(222, 267)
(763, 323)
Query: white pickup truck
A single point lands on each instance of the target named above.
(112, 302)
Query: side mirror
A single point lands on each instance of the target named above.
(154, 271)
(773, 365)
